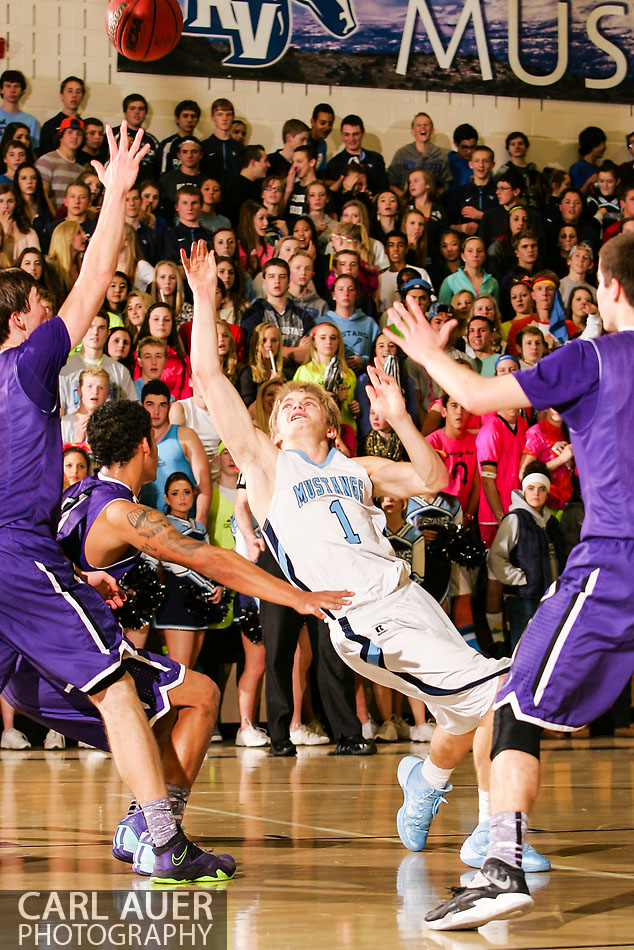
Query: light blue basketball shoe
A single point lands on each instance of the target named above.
(474, 851)
(421, 802)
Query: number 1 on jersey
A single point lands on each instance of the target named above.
(351, 536)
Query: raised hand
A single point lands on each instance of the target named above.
(384, 393)
(200, 269)
(316, 603)
(123, 167)
(414, 334)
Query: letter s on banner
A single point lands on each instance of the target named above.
(592, 26)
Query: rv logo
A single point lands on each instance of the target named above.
(259, 31)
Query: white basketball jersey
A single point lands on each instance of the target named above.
(326, 532)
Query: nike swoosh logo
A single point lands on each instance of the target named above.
(504, 883)
(176, 861)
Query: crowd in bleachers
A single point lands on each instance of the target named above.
(312, 250)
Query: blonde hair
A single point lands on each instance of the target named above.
(325, 400)
(156, 294)
(133, 253)
(94, 371)
(361, 208)
(230, 361)
(312, 352)
(60, 255)
(357, 233)
(282, 240)
(151, 341)
(430, 180)
(260, 417)
(146, 300)
(261, 369)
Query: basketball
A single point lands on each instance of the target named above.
(144, 29)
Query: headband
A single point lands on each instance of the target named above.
(544, 280)
(536, 478)
(472, 237)
(323, 323)
(507, 356)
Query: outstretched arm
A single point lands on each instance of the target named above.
(478, 394)
(230, 416)
(151, 532)
(100, 261)
(426, 471)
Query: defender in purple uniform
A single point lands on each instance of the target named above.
(103, 526)
(577, 653)
(49, 618)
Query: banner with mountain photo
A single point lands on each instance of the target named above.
(556, 49)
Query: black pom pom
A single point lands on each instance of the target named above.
(247, 617)
(145, 595)
(453, 542)
(197, 601)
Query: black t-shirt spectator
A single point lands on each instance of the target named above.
(221, 158)
(239, 190)
(482, 197)
(297, 203)
(278, 165)
(371, 161)
(294, 323)
(182, 236)
(171, 182)
(148, 165)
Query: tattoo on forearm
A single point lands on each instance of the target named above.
(158, 537)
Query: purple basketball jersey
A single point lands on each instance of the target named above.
(591, 384)
(31, 456)
(82, 504)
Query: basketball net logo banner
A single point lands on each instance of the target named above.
(565, 49)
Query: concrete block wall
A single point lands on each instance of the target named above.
(50, 39)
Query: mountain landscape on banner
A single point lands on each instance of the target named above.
(368, 54)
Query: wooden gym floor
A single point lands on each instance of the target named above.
(319, 862)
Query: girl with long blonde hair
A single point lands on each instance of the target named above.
(371, 251)
(167, 287)
(264, 402)
(265, 361)
(131, 262)
(326, 365)
(66, 252)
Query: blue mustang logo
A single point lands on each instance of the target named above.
(259, 31)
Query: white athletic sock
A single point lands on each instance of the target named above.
(438, 778)
(483, 806)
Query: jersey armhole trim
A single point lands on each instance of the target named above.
(590, 421)
(83, 547)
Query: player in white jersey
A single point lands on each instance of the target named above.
(316, 512)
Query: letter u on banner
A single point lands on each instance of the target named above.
(562, 46)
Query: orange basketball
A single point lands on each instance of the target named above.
(144, 29)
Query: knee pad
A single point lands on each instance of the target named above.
(512, 733)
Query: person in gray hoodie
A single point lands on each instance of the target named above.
(528, 552)
(301, 289)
